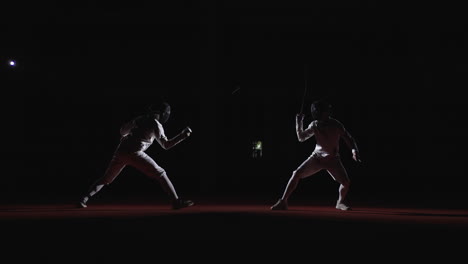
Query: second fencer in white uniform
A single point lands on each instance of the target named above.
(137, 136)
(326, 155)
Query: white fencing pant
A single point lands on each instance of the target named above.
(332, 164)
(141, 161)
(314, 164)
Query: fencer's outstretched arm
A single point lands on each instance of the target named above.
(351, 142)
(169, 143)
(303, 135)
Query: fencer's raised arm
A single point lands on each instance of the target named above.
(303, 135)
(169, 143)
(127, 127)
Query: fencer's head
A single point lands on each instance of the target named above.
(321, 110)
(160, 110)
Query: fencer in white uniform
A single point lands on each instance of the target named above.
(137, 136)
(326, 155)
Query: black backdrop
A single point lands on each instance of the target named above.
(235, 73)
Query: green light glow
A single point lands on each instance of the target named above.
(258, 145)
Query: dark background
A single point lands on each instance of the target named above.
(235, 72)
